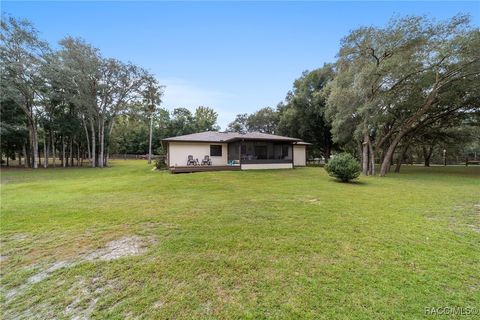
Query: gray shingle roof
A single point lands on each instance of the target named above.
(214, 136)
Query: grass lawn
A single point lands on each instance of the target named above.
(127, 241)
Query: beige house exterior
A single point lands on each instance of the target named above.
(300, 155)
(207, 151)
(178, 152)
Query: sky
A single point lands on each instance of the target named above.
(235, 57)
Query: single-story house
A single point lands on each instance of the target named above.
(213, 150)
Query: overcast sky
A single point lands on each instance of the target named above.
(233, 57)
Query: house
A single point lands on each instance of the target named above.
(233, 151)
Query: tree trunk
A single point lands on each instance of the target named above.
(71, 152)
(101, 134)
(150, 140)
(25, 156)
(387, 160)
(34, 144)
(107, 154)
(365, 155)
(45, 148)
(389, 154)
(19, 159)
(427, 154)
(391, 162)
(401, 157)
(408, 125)
(107, 145)
(93, 154)
(81, 153)
(399, 163)
(359, 151)
(54, 155)
(328, 153)
(78, 154)
(372, 158)
(64, 161)
(29, 154)
(88, 141)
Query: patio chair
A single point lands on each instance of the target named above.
(191, 161)
(206, 161)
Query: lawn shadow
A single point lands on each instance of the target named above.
(354, 182)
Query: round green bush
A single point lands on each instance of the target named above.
(160, 164)
(344, 167)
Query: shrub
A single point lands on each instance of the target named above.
(160, 164)
(344, 167)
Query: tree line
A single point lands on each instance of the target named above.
(394, 91)
(69, 98)
(130, 134)
(403, 91)
(73, 104)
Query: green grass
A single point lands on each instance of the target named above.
(247, 244)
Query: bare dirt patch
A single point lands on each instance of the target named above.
(45, 273)
(86, 298)
(467, 215)
(19, 237)
(116, 249)
(473, 217)
(474, 227)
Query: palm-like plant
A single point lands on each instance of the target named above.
(152, 98)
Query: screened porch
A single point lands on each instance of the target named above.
(258, 152)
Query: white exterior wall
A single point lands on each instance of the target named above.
(256, 166)
(178, 153)
(299, 155)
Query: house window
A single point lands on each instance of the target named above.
(285, 151)
(215, 150)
